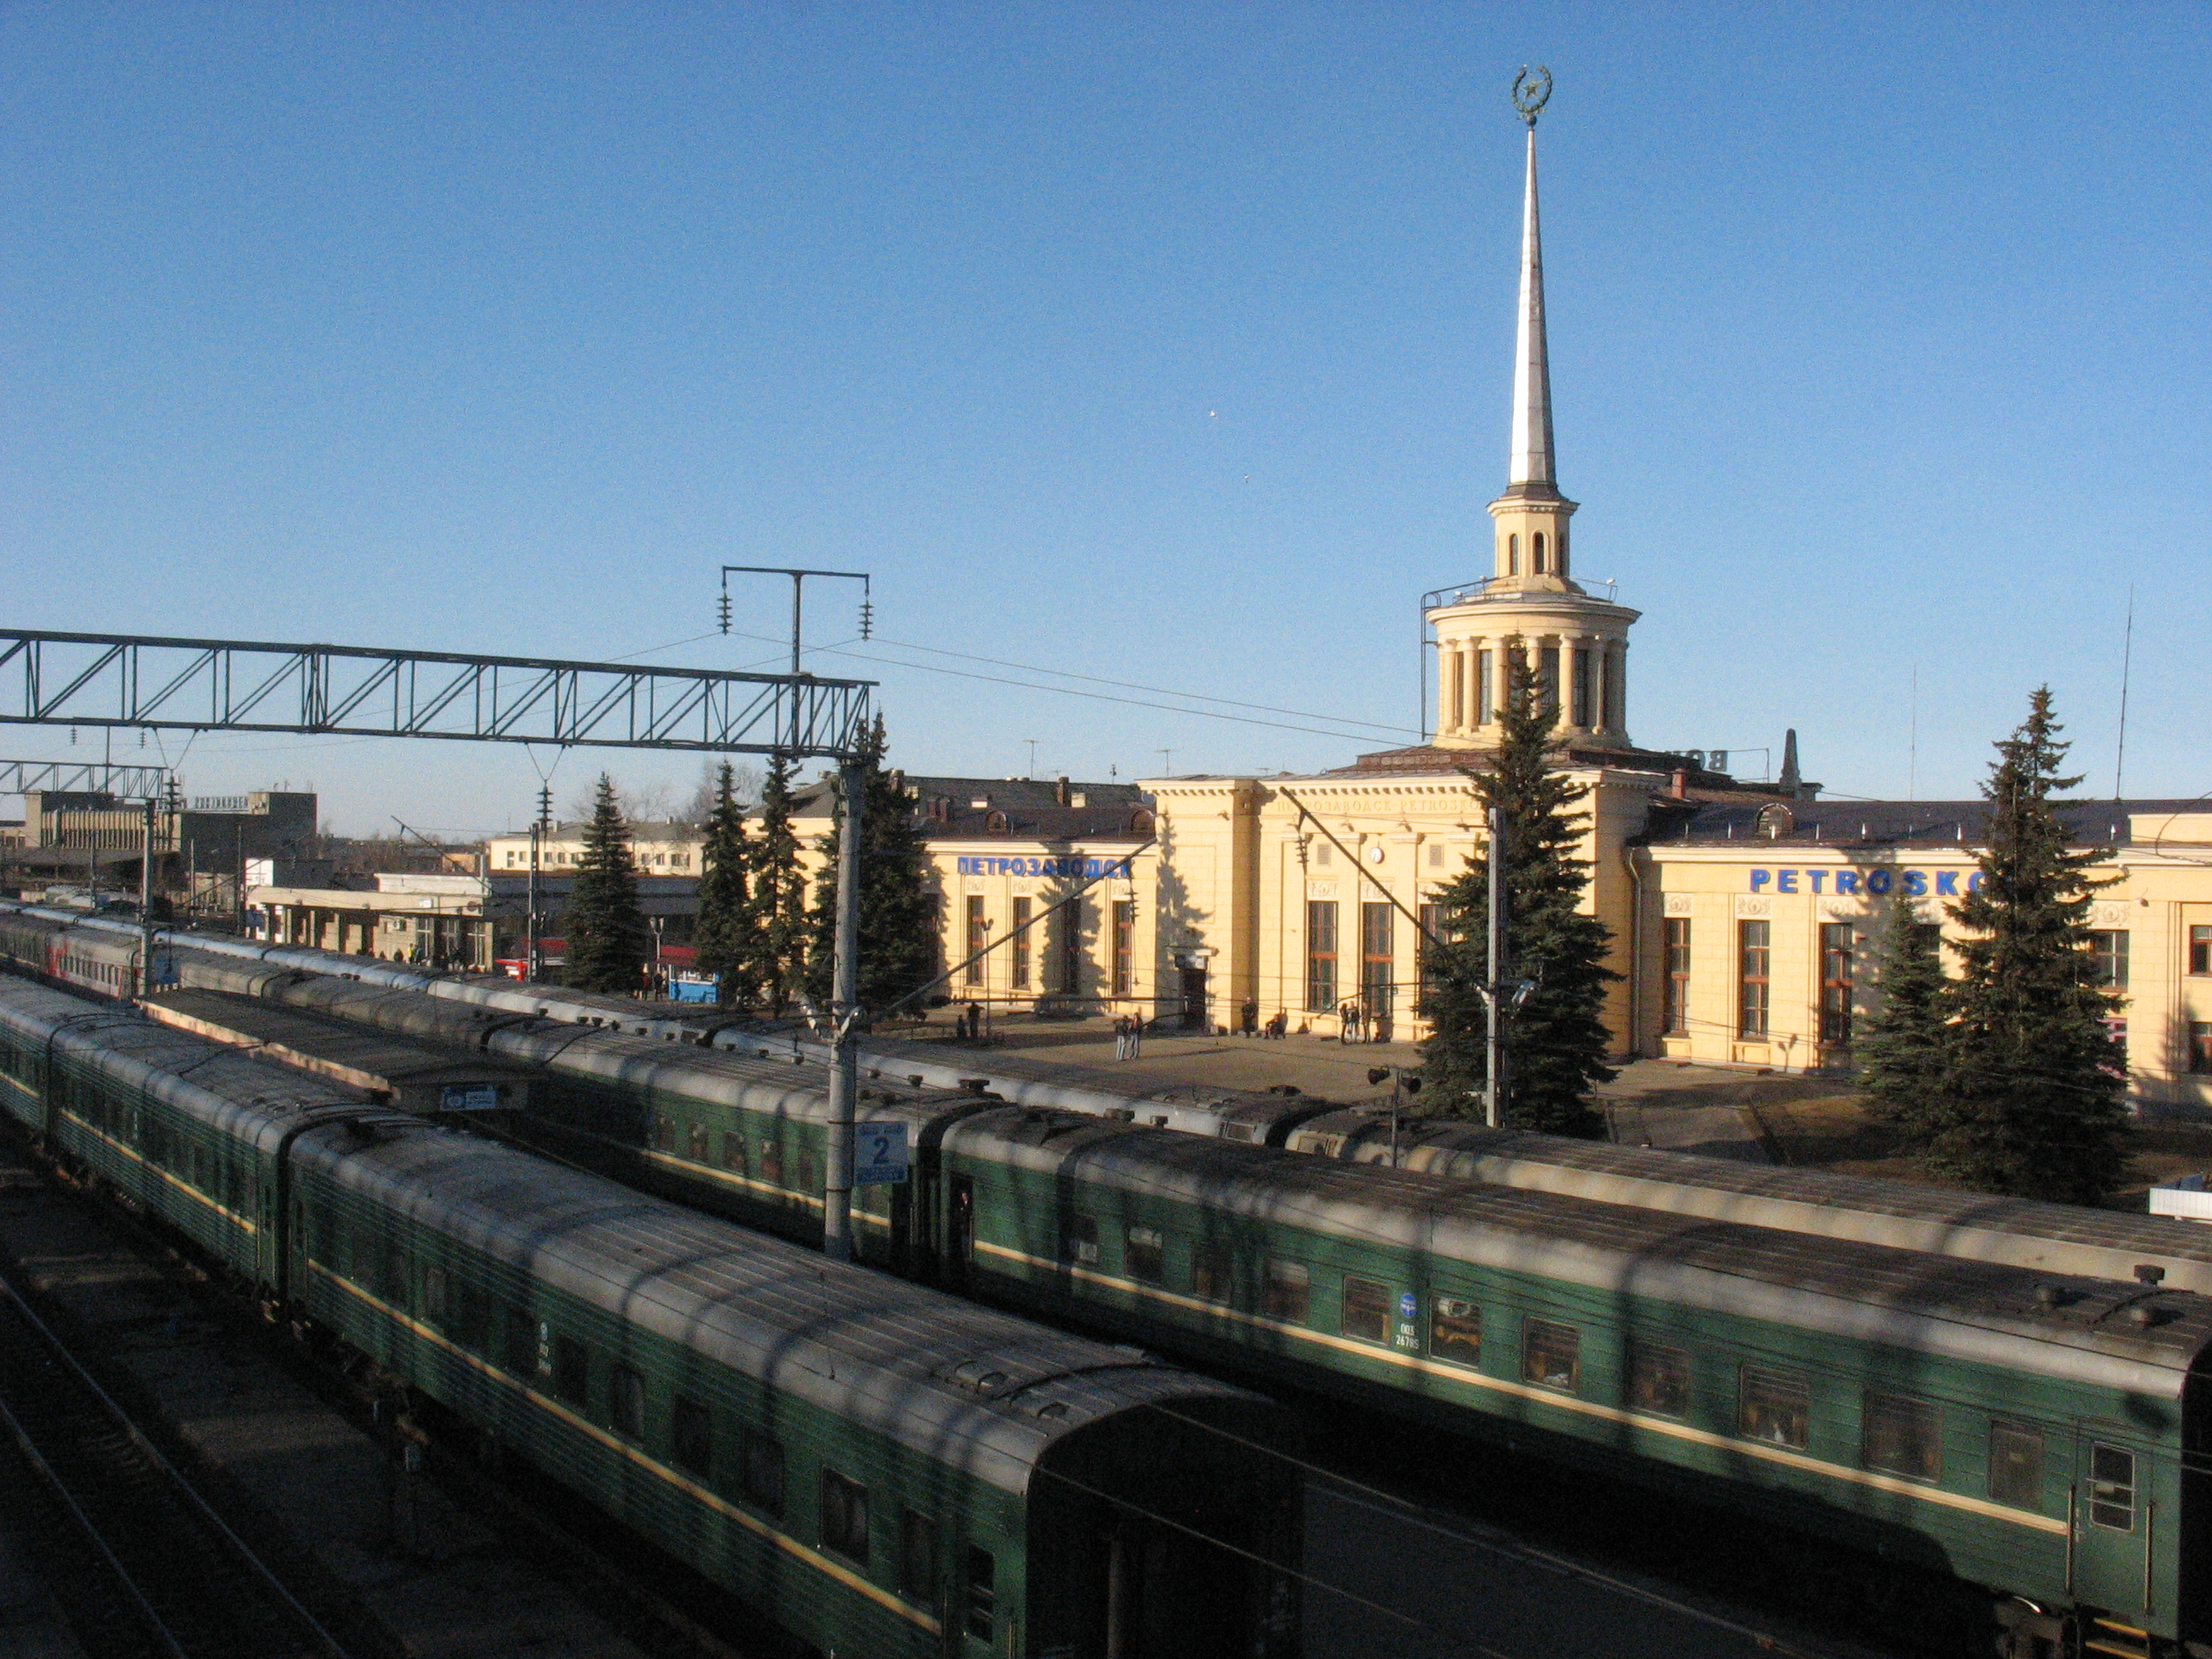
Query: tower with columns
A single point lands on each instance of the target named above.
(1530, 610)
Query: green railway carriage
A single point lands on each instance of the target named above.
(2040, 1434)
(880, 1468)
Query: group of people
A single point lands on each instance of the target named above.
(1355, 1025)
(1248, 1022)
(1128, 1037)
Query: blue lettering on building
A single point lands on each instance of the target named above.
(1075, 865)
(1785, 881)
(1947, 881)
(1877, 881)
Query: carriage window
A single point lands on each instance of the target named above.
(699, 1143)
(1659, 1381)
(2113, 1488)
(626, 1402)
(733, 1152)
(844, 1517)
(691, 1437)
(771, 1162)
(760, 1471)
(918, 1558)
(1366, 1310)
(1776, 1406)
(1551, 1355)
(2016, 1467)
(664, 1132)
(1289, 1292)
(806, 1181)
(1211, 1272)
(1144, 1255)
(1455, 1331)
(395, 1275)
(1901, 1435)
(1078, 1240)
(434, 1295)
(571, 1371)
(983, 1593)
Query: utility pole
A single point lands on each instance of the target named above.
(844, 1011)
(146, 907)
(1493, 996)
(533, 970)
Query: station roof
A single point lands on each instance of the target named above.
(1900, 823)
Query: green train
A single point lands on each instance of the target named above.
(2015, 1422)
(878, 1468)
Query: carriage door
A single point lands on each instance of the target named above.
(960, 1231)
(2116, 1527)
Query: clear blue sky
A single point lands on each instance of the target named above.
(1165, 343)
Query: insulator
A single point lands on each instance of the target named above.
(867, 618)
(726, 612)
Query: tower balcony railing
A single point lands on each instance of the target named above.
(1474, 593)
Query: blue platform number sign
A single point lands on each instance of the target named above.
(878, 1153)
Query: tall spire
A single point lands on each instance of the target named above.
(1531, 463)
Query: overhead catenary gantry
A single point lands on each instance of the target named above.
(243, 685)
(22, 777)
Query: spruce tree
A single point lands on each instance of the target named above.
(1556, 1043)
(775, 922)
(2033, 1097)
(608, 944)
(898, 924)
(722, 938)
(1902, 1047)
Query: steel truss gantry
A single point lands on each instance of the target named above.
(236, 685)
(20, 777)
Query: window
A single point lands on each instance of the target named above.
(472, 1317)
(771, 1170)
(2112, 1488)
(1366, 1310)
(1901, 1435)
(1658, 1380)
(1486, 699)
(1753, 952)
(698, 1148)
(626, 1402)
(1321, 956)
(1433, 927)
(433, 1296)
(664, 1132)
(918, 1558)
(1547, 678)
(1512, 556)
(983, 1593)
(1078, 1240)
(760, 1471)
(1674, 991)
(1377, 944)
(1289, 1292)
(1551, 1355)
(1070, 946)
(1211, 1272)
(978, 935)
(733, 1150)
(1455, 1331)
(2016, 1467)
(1536, 554)
(1458, 689)
(1836, 942)
(1775, 1406)
(1125, 946)
(806, 1181)
(2108, 947)
(1581, 695)
(844, 1517)
(2200, 949)
(691, 1437)
(2200, 1047)
(1020, 947)
(1143, 1254)
(571, 1371)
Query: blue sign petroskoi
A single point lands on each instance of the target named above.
(1055, 864)
(878, 1153)
(1850, 884)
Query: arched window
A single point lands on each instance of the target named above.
(1561, 561)
(1512, 556)
(997, 824)
(1141, 822)
(1536, 549)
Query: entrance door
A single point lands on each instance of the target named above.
(1193, 1001)
(960, 1232)
(2114, 1526)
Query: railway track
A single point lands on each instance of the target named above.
(147, 1565)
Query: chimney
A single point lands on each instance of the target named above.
(1060, 790)
(1680, 787)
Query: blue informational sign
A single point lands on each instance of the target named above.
(1409, 1305)
(878, 1153)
